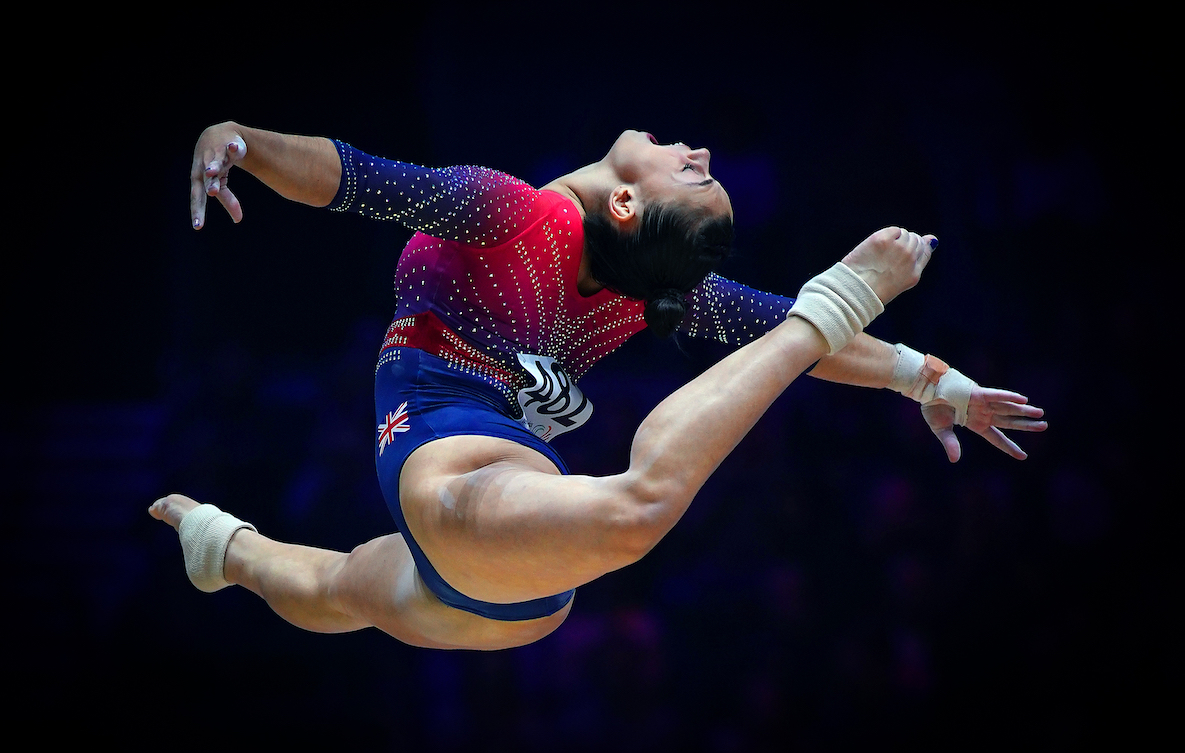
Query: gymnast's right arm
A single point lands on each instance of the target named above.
(300, 168)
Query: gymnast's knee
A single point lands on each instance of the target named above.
(647, 510)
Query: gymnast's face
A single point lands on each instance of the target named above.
(667, 174)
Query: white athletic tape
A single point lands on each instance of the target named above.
(205, 533)
(839, 304)
(927, 380)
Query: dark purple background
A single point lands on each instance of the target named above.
(837, 583)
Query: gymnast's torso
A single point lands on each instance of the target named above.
(491, 332)
(488, 282)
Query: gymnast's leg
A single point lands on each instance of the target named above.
(500, 524)
(504, 526)
(374, 585)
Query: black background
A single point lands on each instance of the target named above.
(836, 584)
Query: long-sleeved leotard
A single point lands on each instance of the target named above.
(487, 308)
(491, 273)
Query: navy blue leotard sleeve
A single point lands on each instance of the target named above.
(720, 309)
(473, 205)
(464, 203)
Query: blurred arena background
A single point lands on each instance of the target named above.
(837, 584)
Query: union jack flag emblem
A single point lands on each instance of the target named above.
(395, 423)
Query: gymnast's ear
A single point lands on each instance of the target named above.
(623, 203)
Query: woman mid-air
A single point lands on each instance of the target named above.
(506, 296)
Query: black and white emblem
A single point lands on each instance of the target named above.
(553, 404)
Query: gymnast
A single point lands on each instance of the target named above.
(507, 294)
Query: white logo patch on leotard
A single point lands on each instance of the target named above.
(554, 404)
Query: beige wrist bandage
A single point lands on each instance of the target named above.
(928, 379)
(839, 304)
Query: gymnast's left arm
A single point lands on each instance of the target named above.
(948, 398)
(724, 310)
(299, 168)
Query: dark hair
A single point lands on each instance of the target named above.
(669, 253)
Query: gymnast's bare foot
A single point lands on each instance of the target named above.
(172, 509)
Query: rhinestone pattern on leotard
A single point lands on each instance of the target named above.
(495, 262)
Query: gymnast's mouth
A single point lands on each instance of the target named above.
(651, 137)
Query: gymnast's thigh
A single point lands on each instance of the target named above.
(380, 584)
(500, 523)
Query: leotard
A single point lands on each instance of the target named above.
(490, 334)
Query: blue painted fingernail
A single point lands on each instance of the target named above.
(933, 243)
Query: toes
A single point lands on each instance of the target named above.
(172, 508)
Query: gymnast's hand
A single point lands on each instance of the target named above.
(891, 260)
(219, 148)
(988, 411)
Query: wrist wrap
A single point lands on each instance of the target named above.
(837, 303)
(928, 379)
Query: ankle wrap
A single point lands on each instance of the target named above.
(205, 533)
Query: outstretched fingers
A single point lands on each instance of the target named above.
(1013, 412)
(994, 395)
(1001, 441)
(989, 413)
(1003, 420)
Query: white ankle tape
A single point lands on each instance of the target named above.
(205, 534)
(839, 304)
(927, 379)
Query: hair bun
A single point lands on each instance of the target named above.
(665, 311)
